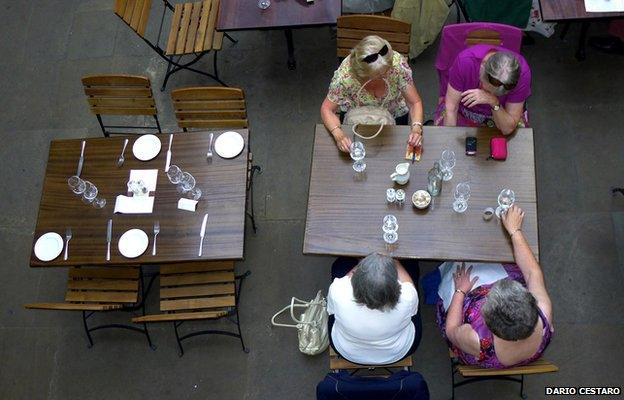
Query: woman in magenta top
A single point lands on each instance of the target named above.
(504, 324)
(488, 85)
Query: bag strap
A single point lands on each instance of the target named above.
(292, 306)
(354, 127)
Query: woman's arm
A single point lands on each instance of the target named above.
(460, 334)
(403, 275)
(506, 119)
(531, 270)
(451, 106)
(414, 102)
(333, 126)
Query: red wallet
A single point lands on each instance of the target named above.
(498, 148)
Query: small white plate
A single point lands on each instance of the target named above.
(229, 144)
(48, 246)
(146, 147)
(133, 243)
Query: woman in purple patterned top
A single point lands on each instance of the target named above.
(504, 324)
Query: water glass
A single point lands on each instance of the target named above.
(99, 202)
(462, 194)
(506, 199)
(137, 187)
(390, 237)
(390, 224)
(447, 163)
(264, 4)
(400, 197)
(390, 195)
(187, 183)
(174, 174)
(90, 192)
(76, 184)
(358, 153)
(194, 193)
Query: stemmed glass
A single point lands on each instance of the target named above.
(187, 186)
(76, 185)
(390, 235)
(174, 174)
(447, 163)
(390, 195)
(264, 4)
(90, 196)
(462, 194)
(358, 153)
(506, 199)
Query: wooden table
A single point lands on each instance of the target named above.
(345, 212)
(223, 184)
(281, 14)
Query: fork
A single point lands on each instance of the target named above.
(156, 232)
(68, 236)
(209, 154)
(121, 158)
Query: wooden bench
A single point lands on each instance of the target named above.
(101, 289)
(198, 291)
(353, 28)
(337, 363)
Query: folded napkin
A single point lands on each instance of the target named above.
(187, 204)
(148, 176)
(134, 204)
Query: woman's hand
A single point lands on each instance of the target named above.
(342, 141)
(512, 219)
(415, 136)
(462, 280)
(473, 97)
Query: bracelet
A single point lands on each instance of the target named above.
(334, 128)
(460, 291)
(417, 123)
(514, 232)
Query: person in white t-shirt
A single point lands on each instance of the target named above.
(373, 309)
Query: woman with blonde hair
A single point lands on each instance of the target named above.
(385, 77)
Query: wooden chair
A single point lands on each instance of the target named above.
(198, 291)
(120, 95)
(353, 28)
(92, 290)
(337, 363)
(472, 373)
(192, 32)
(215, 108)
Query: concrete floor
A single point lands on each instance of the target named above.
(47, 46)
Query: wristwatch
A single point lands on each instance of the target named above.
(496, 107)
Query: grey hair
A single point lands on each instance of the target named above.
(376, 283)
(510, 310)
(367, 46)
(504, 67)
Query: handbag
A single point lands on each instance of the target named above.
(311, 326)
(498, 148)
(369, 115)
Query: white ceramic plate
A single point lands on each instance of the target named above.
(146, 147)
(48, 246)
(229, 144)
(133, 243)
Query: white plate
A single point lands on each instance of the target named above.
(48, 246)
(146, 147)
(229, 144)
(133, 243)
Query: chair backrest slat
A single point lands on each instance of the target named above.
(353, 28)
(198, 304)
(483, 36)
(119, 95)
(102, 285)
(210, 107)
(135, 13)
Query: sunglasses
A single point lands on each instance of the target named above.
(373, 57)
(496, 83)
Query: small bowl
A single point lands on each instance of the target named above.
(421, 199)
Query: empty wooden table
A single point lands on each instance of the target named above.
(222, 181)
(281, 14)
(345, 212)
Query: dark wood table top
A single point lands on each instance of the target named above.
(345, 214)
(557, 10)
(222, 181)
(245, 14)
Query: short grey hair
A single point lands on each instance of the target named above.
(367, 46)
(375, 282)
(510, 310)
(504, 67)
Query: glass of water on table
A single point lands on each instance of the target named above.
(506, 199)
(357, 153)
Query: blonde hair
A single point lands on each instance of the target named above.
(367, 46)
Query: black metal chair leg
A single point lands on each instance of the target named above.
(522, 395)
(175, 327)
(580, 52)
(86, 328)
(167, 75)
(157, 123)
(99, 118)
(292, 63)
(240, 279)
(252, 215)
(452, 380)
(230, 38)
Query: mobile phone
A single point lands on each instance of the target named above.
(471, 146)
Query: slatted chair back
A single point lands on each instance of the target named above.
(540, 366)
(337, 363)
(483, 36)
(135, 13)
(210, 107)
(193, 28)
(97, 289)
(353, 28)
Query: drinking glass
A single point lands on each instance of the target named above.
(90, 192)
(506, 199)
(174, 174)
(264, 4)
(462, 194)
(137, 187)
(390, 237)
(76, 184)
(390, 224)
(195, 193)
(447, 163)
(99, 202)
(358, 152)
(390, 195)
(187, 182)
(400, 197)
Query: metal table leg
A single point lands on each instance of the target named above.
(292, 63)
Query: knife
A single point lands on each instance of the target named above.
(109, 237)
(202, 233)
(81, 159)
(169, 154)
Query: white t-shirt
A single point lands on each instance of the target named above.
(368, 336)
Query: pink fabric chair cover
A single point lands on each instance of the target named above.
(453, 41)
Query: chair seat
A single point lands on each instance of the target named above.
(193, 28)
(538, 367)
(337, 362)
(186, 316)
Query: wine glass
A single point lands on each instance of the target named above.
(187, 183)
(447, 163)
(462, 194)
(400, 197)
(174, 174)
(90, 192)
(76, 184)
(390, 224)
(506, 199)
(358, 153)
(390, 195)
(264, 4)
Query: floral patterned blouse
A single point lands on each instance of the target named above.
(344, 87)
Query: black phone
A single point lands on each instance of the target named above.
(471, 146)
